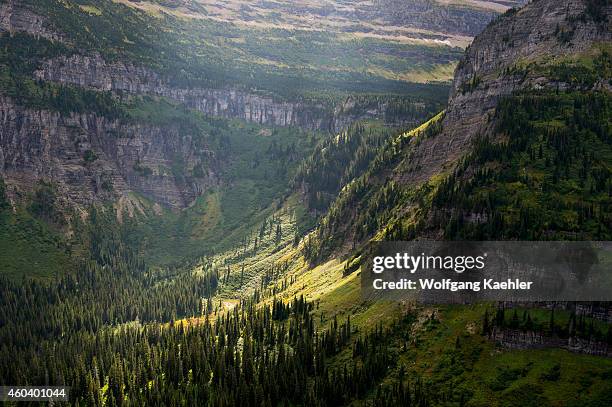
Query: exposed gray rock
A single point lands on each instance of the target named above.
(517, 339)
(483, 76)
(39, 144)
(17, 18)
(92, 71)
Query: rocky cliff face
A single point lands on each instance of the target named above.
(17, 18)
(517, 339)
(94, 72)
(534, 48)
(96, 158)
(495, 65)
(92, 158)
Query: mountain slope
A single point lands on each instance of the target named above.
(135, 105)
(66, 59)
(543, 59)
(114, 331)
(107, 95)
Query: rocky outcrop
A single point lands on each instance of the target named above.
(487, 73)
(17, 18)
(91, 158)
(94, 72)
(518, 339)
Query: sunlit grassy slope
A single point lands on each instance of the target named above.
(445, 344)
